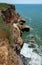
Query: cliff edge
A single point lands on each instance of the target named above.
(11, 29)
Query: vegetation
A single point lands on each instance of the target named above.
(3, 6)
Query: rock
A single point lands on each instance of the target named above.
(18, 15)
(10, 50)
(17, 38)
(20, 41)
(7, 55)
(25, 28)
(32, 46)
(16, 31)
(12, 7)
(7, 16)
(14, 59)
(32, 40)
(21, 20)
(3, 53)
(11, 16)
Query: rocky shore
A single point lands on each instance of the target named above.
(11, 40)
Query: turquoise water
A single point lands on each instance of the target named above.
(33, 15)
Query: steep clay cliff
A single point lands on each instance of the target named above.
(11, 31)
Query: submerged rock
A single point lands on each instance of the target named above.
(32, 39)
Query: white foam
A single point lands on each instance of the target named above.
(31, 28)
(35, 59)
(28, 52)
(37, 37)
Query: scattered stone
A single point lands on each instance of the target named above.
(32, 40)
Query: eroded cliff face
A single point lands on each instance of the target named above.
(11, 40)
(7, 55)
(3, 52)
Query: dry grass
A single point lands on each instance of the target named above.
(5, 31)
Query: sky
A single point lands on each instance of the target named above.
(22, 1)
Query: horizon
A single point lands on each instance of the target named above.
(21, 2)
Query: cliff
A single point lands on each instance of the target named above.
(11, 29)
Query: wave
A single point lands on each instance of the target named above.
(28, 53)
(31, 29)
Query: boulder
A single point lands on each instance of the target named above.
(25, 28)
(32, 40)
(21, 20)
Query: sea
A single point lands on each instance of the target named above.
(33, 15)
